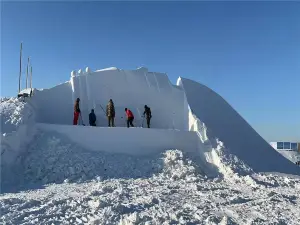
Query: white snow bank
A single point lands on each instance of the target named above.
(224, 123)
(140, 141)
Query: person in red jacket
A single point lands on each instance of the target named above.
(130, 117)
(76, 111)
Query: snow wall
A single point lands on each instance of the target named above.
(224, 123)
(135, 141)
(128, 88)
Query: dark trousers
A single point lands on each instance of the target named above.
(129, 121)
(148, 121)
(93, 124)
(111, 121)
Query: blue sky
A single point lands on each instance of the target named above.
(249, 52)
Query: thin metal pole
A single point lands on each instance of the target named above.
(27, 74)
(30, 77)
(20, 68)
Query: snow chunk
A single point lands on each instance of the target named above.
(109, 68)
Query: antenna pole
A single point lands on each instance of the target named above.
(30, 77)
(27, 73)
(20, 68)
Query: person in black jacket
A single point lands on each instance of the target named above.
(92, 118)
(147, 112)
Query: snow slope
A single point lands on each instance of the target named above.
(224, 123)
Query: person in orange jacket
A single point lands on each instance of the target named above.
(130, 117)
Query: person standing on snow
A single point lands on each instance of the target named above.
(92, 118)
(147, 112)
(76, 112)
(130, 117)
(110, 113)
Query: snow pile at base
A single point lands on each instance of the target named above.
(158, 200)
(228, 164)
(52, 158)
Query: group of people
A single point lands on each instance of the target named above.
(110, 113)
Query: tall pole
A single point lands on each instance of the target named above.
(20, 68)
(27, 74)
(30, 77)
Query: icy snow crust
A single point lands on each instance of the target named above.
(60, 174)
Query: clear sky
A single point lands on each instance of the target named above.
(248, 52)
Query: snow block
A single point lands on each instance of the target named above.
(136, 141)
(224, 123)
(128, 88)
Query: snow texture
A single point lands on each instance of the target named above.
(17, 128)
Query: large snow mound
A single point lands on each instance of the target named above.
(224, 123)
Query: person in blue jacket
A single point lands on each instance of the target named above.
(92, 118)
